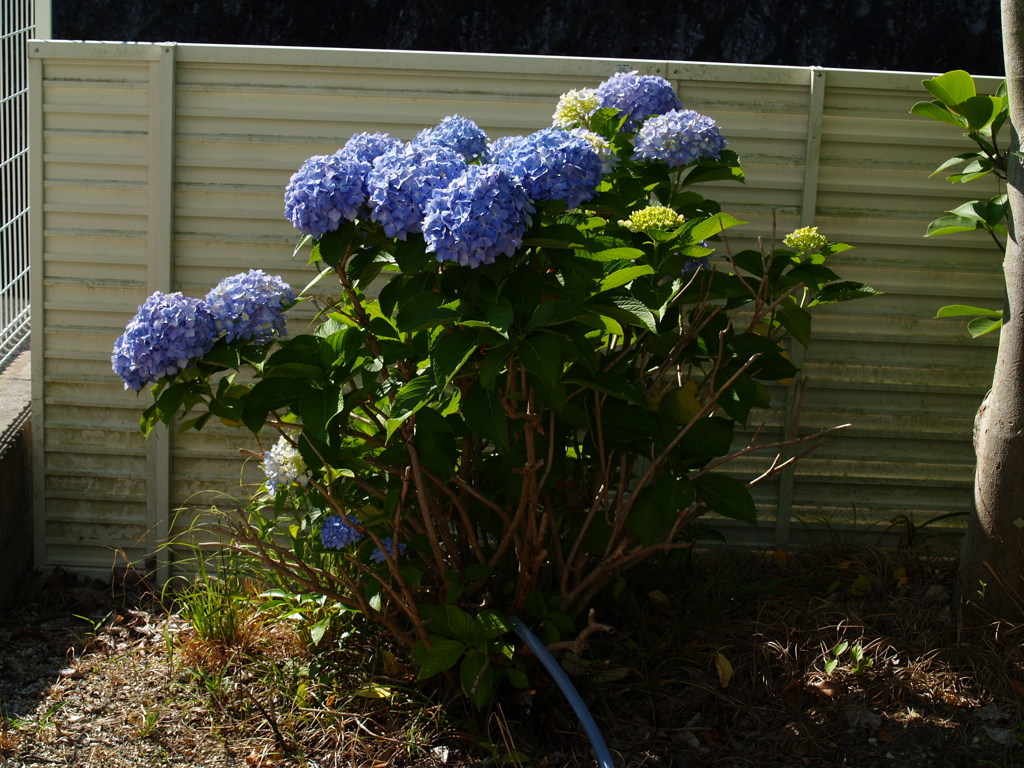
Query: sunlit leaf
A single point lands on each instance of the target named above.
(724, 669)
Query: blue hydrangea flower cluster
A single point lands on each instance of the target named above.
(338, 534)
(482, 213)
(692, 266)
(637, 96)
(402, 181)
(389, 544)
(703, 262)
(325, 190)
(367, 147)
(553, 165)
(283, 465)
(679, 138)
(169, 331)
(249, 306)
(505, 147)
(601, 145)
(458, 133)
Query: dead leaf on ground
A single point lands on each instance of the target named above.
(780, 558)
(1017, 685)
(374, 692)
(883, 735)
(724, 668)
(862, 717)
(711, 739)
(830, 688)
(662, 602)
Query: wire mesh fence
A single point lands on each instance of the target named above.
(17, 25)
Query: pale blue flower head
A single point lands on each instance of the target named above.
(504, 147)
(679, 137)
(553, 165)
(325, 190)
(402, 181)
(481, 214)
(458, 133)
(283, 465)
(367, 147)
(167, 333)
(336, 533)
(251, 306)
(637, 96)
(389, 544)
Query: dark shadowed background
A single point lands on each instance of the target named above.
(907, 35)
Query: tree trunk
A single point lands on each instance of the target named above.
(992, 559)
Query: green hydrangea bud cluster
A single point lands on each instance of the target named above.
(574, 108)
(805, 239)
(653, 217)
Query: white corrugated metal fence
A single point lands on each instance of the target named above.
(162, 167)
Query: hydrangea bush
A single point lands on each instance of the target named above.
(543, 393)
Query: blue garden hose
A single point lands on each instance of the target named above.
(604, 757)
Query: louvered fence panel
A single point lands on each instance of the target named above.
(161, 167)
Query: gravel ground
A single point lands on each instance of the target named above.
(87, 679)
(86, 683)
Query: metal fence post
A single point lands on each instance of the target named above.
(44, 19)
(160, 191)
(808, 207)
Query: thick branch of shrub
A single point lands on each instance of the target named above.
(527, 573)
(599, 576)
(409, 604)
(619, 520)
(771, 307)
(710, 404)
(425, 499)
(362, 317)
(480, 497)
(511, 533)
(765, 446)
(692, 332)
(569, 561)
(463, 513)
(579, 645)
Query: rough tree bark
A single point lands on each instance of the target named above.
(993, 550)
